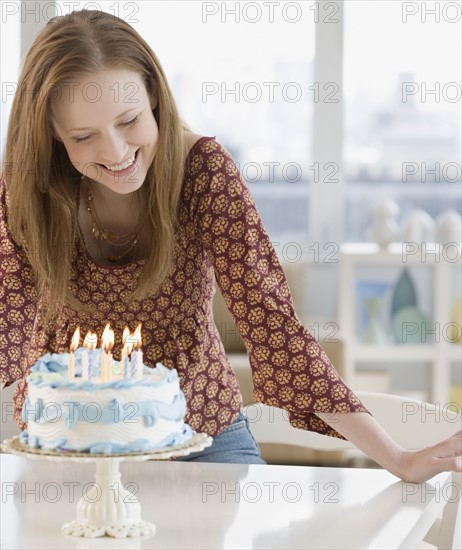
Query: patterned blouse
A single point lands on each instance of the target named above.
(222, 239)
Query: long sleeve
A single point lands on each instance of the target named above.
(18, 302)
(290, 370)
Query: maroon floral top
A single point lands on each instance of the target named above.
(221, 237)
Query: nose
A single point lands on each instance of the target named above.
(114, 149)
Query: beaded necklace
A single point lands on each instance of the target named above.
(130, 239)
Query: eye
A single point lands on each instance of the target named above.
(79, 140)
(129, 123)
(133, 121)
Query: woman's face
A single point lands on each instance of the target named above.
(103, 120)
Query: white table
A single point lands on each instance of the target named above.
(198, 505)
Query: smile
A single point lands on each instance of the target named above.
(123, 166)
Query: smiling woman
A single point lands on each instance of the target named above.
(91, 241)
(107, 147)
(114, 144)
(98, 102)
(165, 230)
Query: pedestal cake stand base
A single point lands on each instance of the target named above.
(109, 509)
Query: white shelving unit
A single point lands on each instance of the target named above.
(440, 354)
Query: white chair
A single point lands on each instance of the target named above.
(411, 423)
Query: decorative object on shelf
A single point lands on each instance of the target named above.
(440, 280)
(418, 227)
(449, 227)
(411, 326)
(404, 293)
(385, 229)
(455, 326)
(371, 296)
(374, 333)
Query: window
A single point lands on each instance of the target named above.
(245, 72)
(402, 85)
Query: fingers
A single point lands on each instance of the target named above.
(450, 464)
(450, 447)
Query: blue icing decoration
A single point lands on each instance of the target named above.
(115, 411)
(72, 413)
(52, 368)
(33, 441)
(51, 362)
(98, 448)
(106, 447)
(149, 420)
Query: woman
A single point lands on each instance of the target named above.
(112, 211)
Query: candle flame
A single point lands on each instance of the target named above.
(91, 340)
(75, 339)
(136, 337)
(107, 338)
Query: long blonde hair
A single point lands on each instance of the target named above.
(42, 183)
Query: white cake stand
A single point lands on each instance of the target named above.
(108, 508)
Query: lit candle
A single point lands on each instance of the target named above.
(138, 359)
(106, 355)
(133, 364)
(87, 345)
(126, 350)
(92, 341)
(74, 346)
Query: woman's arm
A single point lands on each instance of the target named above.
(413, 466)
(18, 300)
(290, 370)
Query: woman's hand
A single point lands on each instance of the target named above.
(412, 466)
(418, 466)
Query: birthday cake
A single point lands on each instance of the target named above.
(96, 412)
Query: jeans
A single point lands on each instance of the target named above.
(236, 445)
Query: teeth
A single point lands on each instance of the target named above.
(118, 167)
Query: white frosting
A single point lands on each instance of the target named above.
(116, 416)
